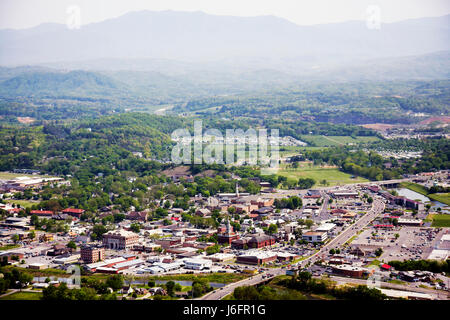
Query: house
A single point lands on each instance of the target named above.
(203, 212)
(137, 216)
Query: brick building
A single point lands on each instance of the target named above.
(91, 254)
(120, 239)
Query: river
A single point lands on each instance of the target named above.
(417, 196)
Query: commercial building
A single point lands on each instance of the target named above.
(315, 236)
(261, 241)
(91, 254)
(197, 264)
(349, 270)
(120, 239)
(256, 257)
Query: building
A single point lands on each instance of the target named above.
(91, 254)
(256, 257)
(120, 239)
(315, 236)
(261, 241)
(327, 227)
(37, 266)
(137, 216)
(228, 236)
(344, 194)
(42, 213)
(349, 270)
(73, 212)
(58, 250)
(410, 222)
(197, 264)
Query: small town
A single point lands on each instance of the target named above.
(348, 234)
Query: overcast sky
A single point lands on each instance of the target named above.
(19, 14)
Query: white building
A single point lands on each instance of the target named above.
(315, 236)
(197, 264)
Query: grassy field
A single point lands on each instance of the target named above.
(23, 296)
(439, 220)
(332, 175)
(332, 141)
(23, 203)
(9, 247)
(415, 187)
(441, 197)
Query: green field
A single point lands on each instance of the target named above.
(332, 141)
(415, 187)
(9, 247)
(441, 197)
(439, 220)
(23, 296)
(23, 203)
(332, 175)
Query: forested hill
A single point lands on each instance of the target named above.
(60, 84)
(97, 145)
(63, 147)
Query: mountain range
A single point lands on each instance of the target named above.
(200, 37)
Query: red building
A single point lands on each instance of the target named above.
(90, 254)
(42, 213)
(261, 241)
(228, 236)
(74, 212)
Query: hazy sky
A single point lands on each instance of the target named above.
(19, 14)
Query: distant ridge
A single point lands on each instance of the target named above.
(197, 36)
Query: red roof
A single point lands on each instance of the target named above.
(338, 211)
(72, 210)
(42, 212)
(384, 226)
(14, 210)
(386, 266)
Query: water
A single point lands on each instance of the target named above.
(42, 279)
(181, 282)
(417, 196)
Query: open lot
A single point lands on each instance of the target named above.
(23, 296)
(332, 175)
(11, 175)
(23, 203)
(331, 141)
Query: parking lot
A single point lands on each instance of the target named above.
(411, 243)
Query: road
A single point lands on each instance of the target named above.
(344, 236)
(438, 294)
